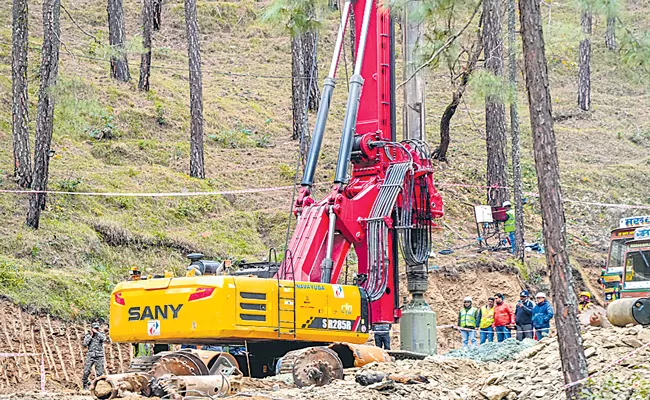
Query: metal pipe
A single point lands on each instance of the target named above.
(354, 97)
(629, 311)
(364, 37)
(326, 267)
(325, 101)
(339, 39)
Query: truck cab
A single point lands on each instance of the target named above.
(636, 273)
(611, 277)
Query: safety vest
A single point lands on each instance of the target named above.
(144, 350)
(468, 318)
(509, 225)
(582, 307)
(487, 317)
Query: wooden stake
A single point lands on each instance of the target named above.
(23, 347)
(4, 329)
(119, 355)
(112, 356)
(79, 344)
(60, 356)
(48, 352)
(72, 353)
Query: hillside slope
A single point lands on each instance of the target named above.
(86, 244)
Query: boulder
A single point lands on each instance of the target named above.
(495, 392)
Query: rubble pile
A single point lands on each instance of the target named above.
(509, 370)
(492, 351)
(536, 372)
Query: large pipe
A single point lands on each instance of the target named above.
(354, 97)
(115, 386)
(635, 311)
(325, 100)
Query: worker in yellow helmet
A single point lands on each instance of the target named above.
(134, 274)
(585, 301)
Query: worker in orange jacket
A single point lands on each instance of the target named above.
(504, 318)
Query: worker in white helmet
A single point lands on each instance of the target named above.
(467, 321)
(542, 315)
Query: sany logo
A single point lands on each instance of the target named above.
(338, 291)
(153, 328)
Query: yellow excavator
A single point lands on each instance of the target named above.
(294, 315)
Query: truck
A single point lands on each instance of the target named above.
(612, 275)
(636, 270)
(294, 314)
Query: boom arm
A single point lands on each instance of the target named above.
(389, 193)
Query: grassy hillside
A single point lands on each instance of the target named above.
(86, 244)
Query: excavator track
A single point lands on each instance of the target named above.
(143, 364)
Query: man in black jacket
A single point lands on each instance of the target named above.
(523, 316)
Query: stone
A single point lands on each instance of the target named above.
(590, 352)
(635, 330)
(511, 396)
(540, 393)
(495, 392)
(494, 378)
(632, 342)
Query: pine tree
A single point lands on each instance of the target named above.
(45, 112)
(20, 127)
(197, 168)
(574, 363)
(116, 38)
(495, 111)
(145, 58)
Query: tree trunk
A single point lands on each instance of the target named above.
(610, 34)
(157, 10)
(197, 169)
(514, 127)
(145, 58)
(495, 111)
(584, 68)
(414, 100)
(298, 87)
(310, 47)
(574, 364)
(440, 153)
(45, 112)
(20, 121)
(116, 38)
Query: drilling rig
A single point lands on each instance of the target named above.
(383, 199)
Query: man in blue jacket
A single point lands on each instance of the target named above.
(542, 315)
(524, 316)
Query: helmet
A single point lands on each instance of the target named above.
(95, 325)
(524, 293)
(586, 294)
(506, 204)
(468, 298)
(134, 271)
(541, 294)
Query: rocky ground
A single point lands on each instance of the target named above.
(510, 370)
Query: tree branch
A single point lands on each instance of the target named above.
(79, 26)
(443, 47)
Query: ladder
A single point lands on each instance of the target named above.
(287, 298)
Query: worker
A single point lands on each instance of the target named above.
(134, 274)
(504, 318)
(523, 316)
(467, 318)
(94, 341)
(382, 336)
(486, 322)
(142, 349)
(542, 315)
(585, 301)
(509, 225)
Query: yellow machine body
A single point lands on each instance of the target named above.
(228, 309)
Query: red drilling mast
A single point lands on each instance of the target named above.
(388, 197)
